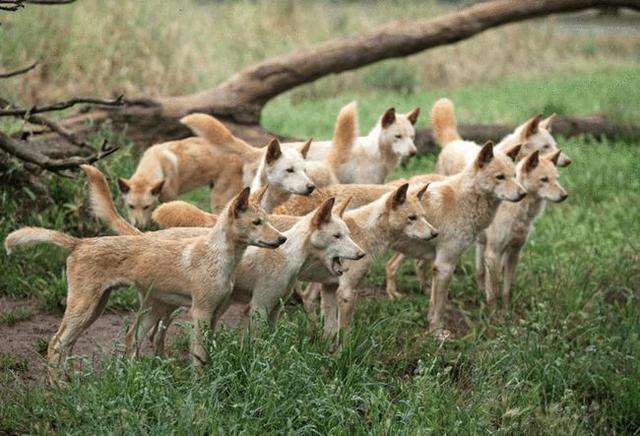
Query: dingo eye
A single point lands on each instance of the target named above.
(413, 217)
(146, 207)
(398, 136)
(131, 206)
(257, 222)
(289, 170)
(337, 235)
(500, 177)
(544, 179)
(546, 146)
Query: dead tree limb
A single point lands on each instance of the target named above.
(62, 105)
(21, 150)
(11, 5)
(240, 99)
(19, 71)
(566, 126)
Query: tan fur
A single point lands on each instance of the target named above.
(443, 122)
(167, 272)
(532, 135)
(172, 168)
(460, 207)
(344, 136)
(498, 248)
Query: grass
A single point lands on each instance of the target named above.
(565, 359)
(13, 316)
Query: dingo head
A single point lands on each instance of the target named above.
(539, 176)
(284, 168)
(141, 197)
(330, 238)
(406, 216)
(397, 132)
(535, 135)
(496, 173)
(250, 223)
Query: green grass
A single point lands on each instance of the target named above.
(565, 359)
(12, 316)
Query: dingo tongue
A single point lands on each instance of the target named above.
(336, 266)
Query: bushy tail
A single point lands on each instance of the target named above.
(344, 136)
(444, 122)
(182, 214)
(209, 128)
(102, 204)
(29, 236)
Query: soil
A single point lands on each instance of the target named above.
(23, 344)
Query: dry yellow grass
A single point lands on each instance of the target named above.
(162, 47)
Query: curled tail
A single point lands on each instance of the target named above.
(29, 236)
(443, 121)
(209, 128)
(182, 214)
(344, 136)
(102, 205)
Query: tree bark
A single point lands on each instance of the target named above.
(240, 99)
(566, 126)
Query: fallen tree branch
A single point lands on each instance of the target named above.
(21, 150)
(19, 112)
(566, 126)
(19, 71)
(11, 5)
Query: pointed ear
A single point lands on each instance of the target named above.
(532, 161)
(413, 115)
(123, 185)
(157, 188)
(257, 196)
(273, 151)
(305, 148)
(554, 157)
(323, 213)
(485, 154)
(422, 191)
(530, 127)
(514, 151)
(547, 122)
(240, 203)
(342, 206)
(388, 117)
(398, 197)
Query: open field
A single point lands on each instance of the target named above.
(565, 359)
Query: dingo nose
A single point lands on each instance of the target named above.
(360, 255)
(434, 235)
(412, 153)
(563, 197)
(521, 196)
(310, 188)
(282, 240)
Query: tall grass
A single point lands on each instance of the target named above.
(161, 47)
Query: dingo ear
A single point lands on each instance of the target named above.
(547, 122)
(157, 188)
(398, 197)
(240, 203)
(413, 115)
(485, 155)
(273, 151)
(323, 213)
(530, 127)
(514, 151)
(555, 157)
(532, 161)
(305, 148)
(421, 192)
(257, 196)
(388, 117)
(123, 185)
(342, 206)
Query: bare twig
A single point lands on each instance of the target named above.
(19, 71)
(20, 112)
(11, 5)
(49, 2)
(20, 150)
